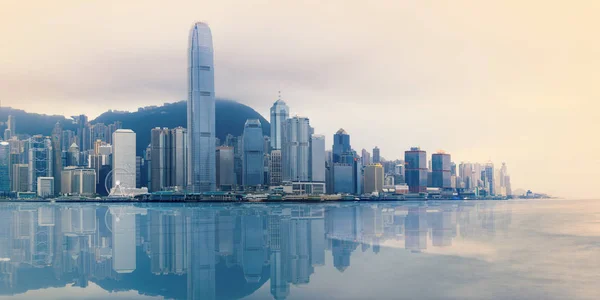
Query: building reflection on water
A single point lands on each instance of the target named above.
(217, 251)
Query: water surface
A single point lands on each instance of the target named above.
(537, 249)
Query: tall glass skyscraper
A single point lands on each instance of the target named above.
(296, 149)
(40, 160)
(253, 154)
(415, 161)
(441, 175)
(201, 110)
(279, 113)
(5, 167)
(341, 145)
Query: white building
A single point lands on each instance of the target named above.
(123, 150)
(317, 158)
(45, 186)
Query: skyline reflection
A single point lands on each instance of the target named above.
(219, 251)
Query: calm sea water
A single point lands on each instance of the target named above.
(542, 249)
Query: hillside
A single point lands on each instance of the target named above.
(230, 119)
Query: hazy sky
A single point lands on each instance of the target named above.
(513, 81)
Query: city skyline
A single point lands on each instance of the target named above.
(504, 122)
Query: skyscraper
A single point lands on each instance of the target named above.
(160, 145)
(275, 168)
(376, 155)
(373, 178)
(489, 178)
(252, 154)
(5, 164)
(341, 145)
(317, 158)
(365, 157)
(40, 160)
(415, 161)
(296, 150)
(201, 110)
(225, 170)
(123, 158)
(279, 113)
(57, 155)
(179, 166)
(12, 125)
(441, 170)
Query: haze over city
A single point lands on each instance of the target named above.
(483, 81)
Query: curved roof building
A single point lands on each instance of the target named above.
(201, 110)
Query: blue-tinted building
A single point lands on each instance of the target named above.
(441, 170)
(4, 167)
(202, 172)
(40, 160)
(253, 151)
(343, 178)
(341, 145)
(489, 178)
(415, 162)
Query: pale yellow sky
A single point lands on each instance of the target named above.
(512, 81)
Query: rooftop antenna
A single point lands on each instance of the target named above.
(278, 97)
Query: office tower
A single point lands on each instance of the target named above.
(45, 187)
(489, 178)
(373, 180)
(275, 168)
(296, 152)
(12, 125)
(508, 186)
(20, 174)
(82, 131)
(441, 170)
(329, 171)
(67, 138)
(201, 110)
(415, 162)
(57, 155)
(317, 158)
(253, 154)
(238, 152)
(139, 163)
(225, 169)
(40, 160)
(399, 172)
(123, 159)
(73, 156)
(7, 134)
(376, 155)
(279, 113)
(179, 146)
(465, 172)
(98, 132)
(365, 157)
(160, 143)
(78, 181)
(343, 178)
(341, 145)
(5, 170)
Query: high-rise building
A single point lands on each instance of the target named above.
(160, 143)
(68, 138)
(441, 170)
(317, 158)
(57, 155)
(225, 169)
(365, 157)
(12, 125)
(341, 145)
(82, 131)
(78, 181)
(489, 178)
(415, 162)
(201, 110)
(296, 149)
(40, 160)
(376, 155)
(179, 165)
(20, 174)
(279, 113)
(343, 178)
(45, 186)
(253, 154)
(373, 179)
(123, 160)
(275, 168)
(73, 156)
(5, 169)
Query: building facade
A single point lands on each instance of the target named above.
(373, 179)
(441, 170)
(252, 159)
(317, 158)
(296, 149)
(225, 169)
(123, 161)
(415, 162)
(201, 111)
(279, 113)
